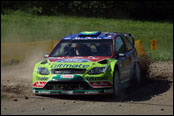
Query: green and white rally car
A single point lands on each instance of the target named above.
(88, 63)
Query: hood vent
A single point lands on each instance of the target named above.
(103, 61)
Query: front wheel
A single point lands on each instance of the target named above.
(137, 74)
(116, 84)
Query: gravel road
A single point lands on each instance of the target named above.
(154, 97)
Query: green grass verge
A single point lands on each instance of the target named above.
(25, 27)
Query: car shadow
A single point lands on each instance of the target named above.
(150, 88)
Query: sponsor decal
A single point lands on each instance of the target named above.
(96, 78)
(101, 84)
(73, 60)
(39, 84)
(91, 92)
(69, 66)
(67, 76)
(89, 58)
(44, 92)
(42, 78)
(86, 38)
(66, 92)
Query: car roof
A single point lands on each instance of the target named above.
(93, 35)
(87, 35)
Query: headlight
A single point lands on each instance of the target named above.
(43, 71)
(98, 70)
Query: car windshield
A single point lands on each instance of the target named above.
(83, 48)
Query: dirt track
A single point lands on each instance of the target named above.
(154, 97)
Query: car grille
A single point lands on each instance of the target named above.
(67, 86)
(68, 71)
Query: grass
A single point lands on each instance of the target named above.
(26, 28)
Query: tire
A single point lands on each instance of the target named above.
(137, 74)
(116, 84)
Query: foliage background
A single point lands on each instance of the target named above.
(139, 10)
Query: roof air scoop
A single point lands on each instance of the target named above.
(89, 34)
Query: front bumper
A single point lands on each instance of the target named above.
(77, 85)
(38, 91)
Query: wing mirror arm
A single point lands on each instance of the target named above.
(46, 55)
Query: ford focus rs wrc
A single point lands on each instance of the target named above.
(88, 63)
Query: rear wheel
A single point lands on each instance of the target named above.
(116, 84)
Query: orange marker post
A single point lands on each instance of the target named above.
(153, 44)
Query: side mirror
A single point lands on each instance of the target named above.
(46, 55)
(121, 55)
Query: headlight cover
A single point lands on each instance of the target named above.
(43, 71)
(97, 70)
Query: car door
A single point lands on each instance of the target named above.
(130, 54)
(123, 59)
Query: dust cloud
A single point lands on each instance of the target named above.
(21, 72)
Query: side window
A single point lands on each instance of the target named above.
(128, 44)
(130, 39)
(120, 48)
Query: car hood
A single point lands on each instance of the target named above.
(75, 62)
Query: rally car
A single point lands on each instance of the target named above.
(88, 63)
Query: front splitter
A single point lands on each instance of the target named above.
(72, 92)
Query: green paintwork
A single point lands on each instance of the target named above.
(106, 76)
